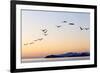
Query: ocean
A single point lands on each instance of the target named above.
(54, 59)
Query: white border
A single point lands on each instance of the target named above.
(20, 65)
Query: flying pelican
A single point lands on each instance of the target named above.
(31, 43)
(86, 28)
(71, 23)
(35, 40)
(26, 44)
(81, 28)
(44, 30)
(64, 21)
(58, 26)
(40, 39)
(45, 34)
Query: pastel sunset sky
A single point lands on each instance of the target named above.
(67, 38)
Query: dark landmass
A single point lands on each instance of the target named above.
(70, 54)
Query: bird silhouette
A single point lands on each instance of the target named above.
(84, 28)
(64, 21)
(31, 43)
(45, 34)
(35, 40)
(58, 26)
(44, 30)
(81, 28)
(71, 24)
(26, 44)
(40, 39)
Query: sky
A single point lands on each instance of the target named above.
(67, 38)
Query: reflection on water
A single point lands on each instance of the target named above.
(55, 59)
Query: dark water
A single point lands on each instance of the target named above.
(55, 59)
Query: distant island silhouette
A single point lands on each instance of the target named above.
(69, 54)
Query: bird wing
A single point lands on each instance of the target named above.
(81, 28)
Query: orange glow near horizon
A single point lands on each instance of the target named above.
(54, 46)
